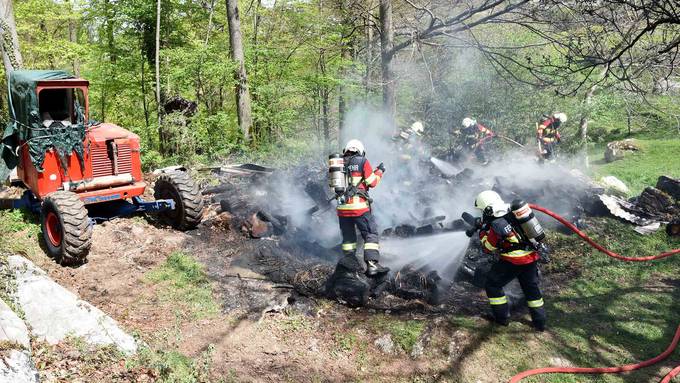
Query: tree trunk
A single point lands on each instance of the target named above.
(161, 133)
(369, 59)
(588, 101)
(386, 47)
(73, 38)
(143, 84)
(346, 56)
(11, 56)
(245, 119)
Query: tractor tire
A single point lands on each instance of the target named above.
(179, 187)
(66, 229)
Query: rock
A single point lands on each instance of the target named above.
(12, 328)
(53, 313)
(616, 150)
(385, 344)
(560, 362)
(614, 185)
(17, 367)
(418, 349)
(670, 186)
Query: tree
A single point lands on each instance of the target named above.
(243, 108)
(11, 56)
(429, 21)
(387, 54)
(159, 108)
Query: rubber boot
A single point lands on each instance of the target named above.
(373, 268)
(501, 314)
(538, 318)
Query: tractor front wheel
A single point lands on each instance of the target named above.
(179, 187)
(66, 228)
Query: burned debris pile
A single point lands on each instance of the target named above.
(291, 215)
(654, 206)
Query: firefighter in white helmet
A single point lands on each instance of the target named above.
(409, 141)
(474, 138)
(354, 209)
(548, 135)
(500, 233)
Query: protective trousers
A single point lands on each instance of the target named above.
(369, 232)
(500, 275)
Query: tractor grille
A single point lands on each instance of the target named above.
(102, 163)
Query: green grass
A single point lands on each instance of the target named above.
(640, 169)
(20, 233)
(404, 333)
(183, 282)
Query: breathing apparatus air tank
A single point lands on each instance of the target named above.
(527, 221)
(336, 174)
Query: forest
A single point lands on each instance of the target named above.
(285, 74)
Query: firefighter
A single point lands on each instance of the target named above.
(409, 141)
(354, 209)
(518, 259)
(475, 136)
(548, 135)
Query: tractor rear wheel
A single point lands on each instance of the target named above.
(66, 228)
(179, 187)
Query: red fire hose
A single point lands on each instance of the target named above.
(606, 370)
(596, 245)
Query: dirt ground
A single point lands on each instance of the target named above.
(264, 331)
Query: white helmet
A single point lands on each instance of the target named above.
(468, 122)
(490, 203)
(560, 116)
(417, 128)
(354, 146)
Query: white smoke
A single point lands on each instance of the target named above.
(410, 192)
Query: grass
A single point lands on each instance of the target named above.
(20, 231)
(184, 284)
(404, 333)
(640, 169)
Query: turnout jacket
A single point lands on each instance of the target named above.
(476, 134)
(362, 176)
(547, 130)
(499, 235)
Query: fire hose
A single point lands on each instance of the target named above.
(606, 370)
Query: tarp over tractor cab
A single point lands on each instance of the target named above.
(27, 125)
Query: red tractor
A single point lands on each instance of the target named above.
(71, 166)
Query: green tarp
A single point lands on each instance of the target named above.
(27, 125)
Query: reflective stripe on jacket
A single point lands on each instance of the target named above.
(364, 178)
(547, 131)
(491, 242)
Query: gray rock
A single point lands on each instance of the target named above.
(385, 344)
(12, 328)
(17, 367)
(53, 313)
(418, 349)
